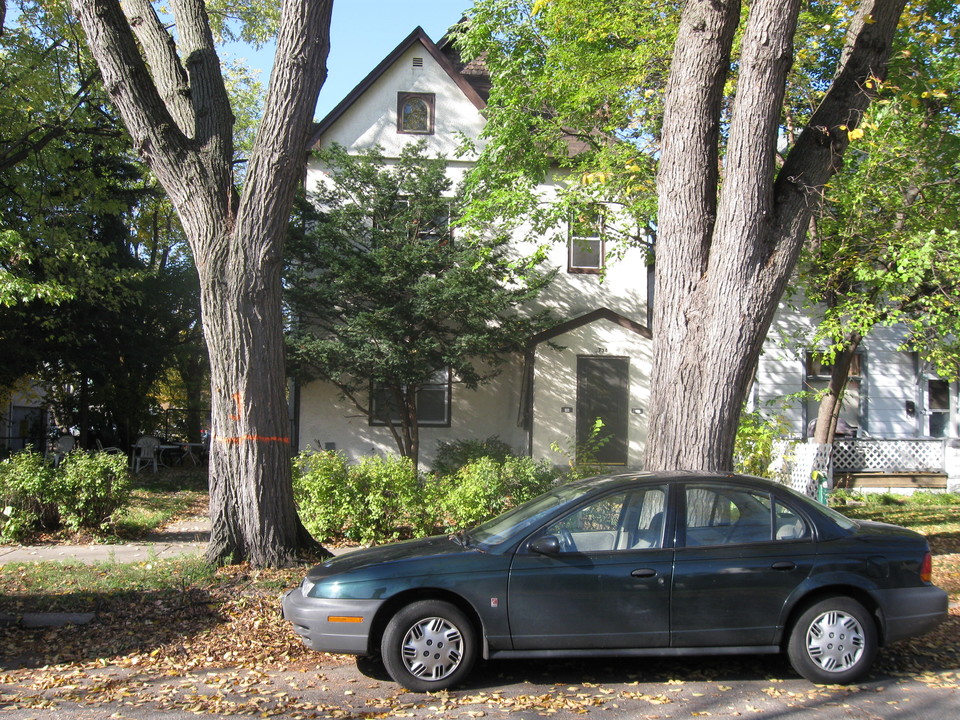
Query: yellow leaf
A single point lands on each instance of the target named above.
(855, 134)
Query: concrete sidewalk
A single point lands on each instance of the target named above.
(187, 537)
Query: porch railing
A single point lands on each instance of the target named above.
(906, 455)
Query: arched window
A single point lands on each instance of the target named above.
(415, 113)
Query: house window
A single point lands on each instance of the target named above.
(435, 228)
(816, 383)
(586, 242)
(415, 113)
(938, 407)
(433, 403)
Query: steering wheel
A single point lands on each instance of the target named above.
(566, 541)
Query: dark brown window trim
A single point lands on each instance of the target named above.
(431, 101)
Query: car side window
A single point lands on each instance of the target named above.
(623, 521)
(790, 526)
(723, 515)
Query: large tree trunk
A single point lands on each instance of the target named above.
(179, 117)
(725, 251)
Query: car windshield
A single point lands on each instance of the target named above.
(493, 532)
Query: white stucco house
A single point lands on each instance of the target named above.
(596, 361)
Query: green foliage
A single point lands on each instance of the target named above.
(85, 491)
(27, 497)
(451, 456)
(582, 458)
(484, 488)
(91, 488)
(756, 436)
(322, 493)
(383, 290)
(376, 500)
(382, 499)
(886, 250)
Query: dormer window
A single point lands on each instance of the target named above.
(415, 113)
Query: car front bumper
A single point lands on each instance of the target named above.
(908, 612)
(331, 625)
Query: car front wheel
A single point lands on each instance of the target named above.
(834, 641)
(429, 645)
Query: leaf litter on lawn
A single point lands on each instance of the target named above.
(221, 647)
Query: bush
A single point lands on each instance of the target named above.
(90, 488)
(322, 493)
(27, 498)
(451, 456)
(485, 488)
(83, 492)
(756, 437)
(376, 500)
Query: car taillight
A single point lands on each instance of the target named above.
(926, 569)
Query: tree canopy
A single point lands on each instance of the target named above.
(719, 125)
(385, 293)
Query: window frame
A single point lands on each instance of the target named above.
(374, 420)
(573, 238)
(429, 99)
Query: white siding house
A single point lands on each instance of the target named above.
(596, 360)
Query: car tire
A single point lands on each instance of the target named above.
(833, 642)
(429, 645)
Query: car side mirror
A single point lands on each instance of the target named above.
(546, 545)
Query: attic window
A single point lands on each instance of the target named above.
(418, 62)
(415, 113)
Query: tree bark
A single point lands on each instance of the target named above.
(828, 413)
(175, 106)
(725, 252)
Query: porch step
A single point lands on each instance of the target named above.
(930, 480)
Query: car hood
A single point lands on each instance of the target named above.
(385, 555)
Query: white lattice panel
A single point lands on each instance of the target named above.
(802, 465)
(888, 455)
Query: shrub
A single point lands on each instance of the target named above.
(322, 493)
(27, 498)
(757, 434)
(377, 499)
(90, 488)
(485, 488)
(451, 456)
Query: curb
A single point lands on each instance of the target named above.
(49, 619)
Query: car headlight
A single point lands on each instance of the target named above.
(306, 587)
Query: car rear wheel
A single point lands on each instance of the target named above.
(429, 645)
(834, 641)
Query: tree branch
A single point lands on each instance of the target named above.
(161, 53)
(127, 79)
(816, 156)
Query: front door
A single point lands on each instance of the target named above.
(603, 391)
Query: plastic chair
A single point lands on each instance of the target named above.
(65, 443)
(111, 449)
(145, 452)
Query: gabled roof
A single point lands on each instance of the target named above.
(590, 317)
(417, 36)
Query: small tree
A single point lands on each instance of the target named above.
(385, 294)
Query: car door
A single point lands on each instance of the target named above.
(740, 554)
(606, 584)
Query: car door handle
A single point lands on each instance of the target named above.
(644, 573)
(784, 565)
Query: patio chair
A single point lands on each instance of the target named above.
(146, 452)
(113, 449)
(65, 443)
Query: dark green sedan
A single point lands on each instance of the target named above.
(632, 565)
